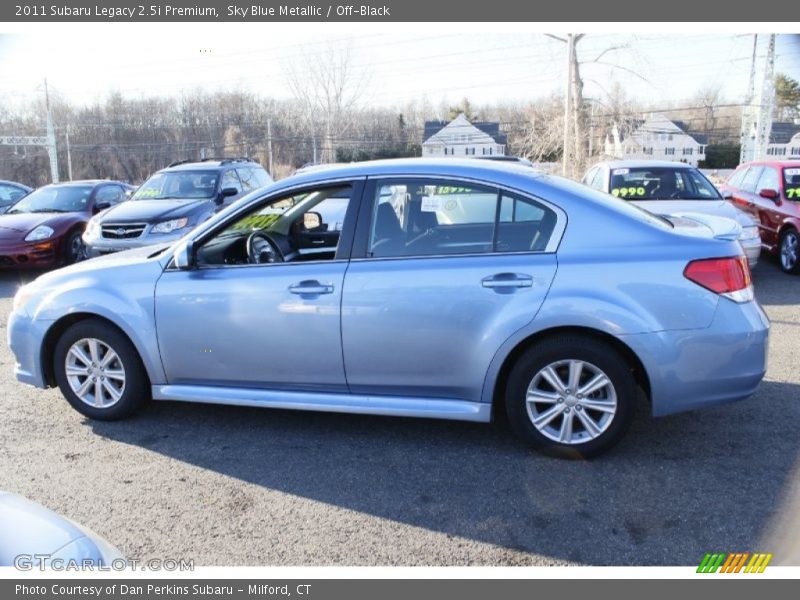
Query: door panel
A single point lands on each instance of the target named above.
(431, 326)
(270, 326)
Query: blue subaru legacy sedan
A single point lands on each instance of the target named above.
(427, 288)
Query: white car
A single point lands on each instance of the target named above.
(672, 188)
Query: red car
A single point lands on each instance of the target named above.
(44, 228)
(770, 192)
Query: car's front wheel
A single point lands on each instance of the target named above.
(99, 371)
(571, 396)
(790, 251)
(73, 248)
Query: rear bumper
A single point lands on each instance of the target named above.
(697, 368)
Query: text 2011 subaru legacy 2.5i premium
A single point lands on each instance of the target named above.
(448, 289)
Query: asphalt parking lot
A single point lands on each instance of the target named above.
(239, 486)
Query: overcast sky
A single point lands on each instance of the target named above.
(402, 62)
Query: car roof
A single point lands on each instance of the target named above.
(443, 167)
(773, 163)
(15, 184)
(644, 164)
(82, 182)
(209, 165)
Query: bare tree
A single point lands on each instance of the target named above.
(328, 89)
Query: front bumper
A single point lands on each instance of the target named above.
(25, 336)
(101, 246)
(30, 255)
(722, 363)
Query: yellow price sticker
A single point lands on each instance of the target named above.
(629, 192)
(792, 193)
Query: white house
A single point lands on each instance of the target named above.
(657, 138)
(459, 137)
(784, 141)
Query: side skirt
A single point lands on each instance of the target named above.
(395, 406)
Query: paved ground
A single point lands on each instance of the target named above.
(230, 486)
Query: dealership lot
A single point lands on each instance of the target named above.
(225, 486)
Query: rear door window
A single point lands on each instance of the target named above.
(443, 217)
(751, 179)
(769, 180)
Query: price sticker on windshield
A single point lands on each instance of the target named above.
(629, 192)
(792, 179)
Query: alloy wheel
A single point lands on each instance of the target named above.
(789, 249)
(95, 373)
(571, 401)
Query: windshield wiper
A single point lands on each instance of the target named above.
(49, 210)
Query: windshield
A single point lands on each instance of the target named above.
(68, 198)
(178, 184)
(661, 183)
(791, 182)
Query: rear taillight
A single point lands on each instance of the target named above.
(729, 277)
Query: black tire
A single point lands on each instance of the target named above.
(136, 389)
(73, 241)
(787, 266)
(598, 355)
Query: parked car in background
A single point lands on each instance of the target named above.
(537, 296)
(35, 537)
(172, 202)
(11, 192)
(665, 188)
(44, 228)
(770, 192)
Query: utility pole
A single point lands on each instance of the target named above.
(568, 103)
(69, 157)
(766, 101)
(269, 144)
(746, 143)
(314, 145)
(51, 138)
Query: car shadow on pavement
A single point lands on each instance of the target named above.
(674, 489)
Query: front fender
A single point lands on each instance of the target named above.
(129, 306)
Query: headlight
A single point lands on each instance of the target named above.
(21, 297)
(42, 232)
(92, 228)
(170, 226)
(750, 232)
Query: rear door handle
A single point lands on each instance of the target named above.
(507, 280)
(311, 287)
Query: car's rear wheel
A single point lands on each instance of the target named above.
(789, 251)
(571, 396)
(99, 371)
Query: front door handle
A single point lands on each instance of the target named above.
(507, 280)
(311, 287)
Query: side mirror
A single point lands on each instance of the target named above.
(183, 258)
(769, 194)
(226, 193)
(98, 206)
(312, 221)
